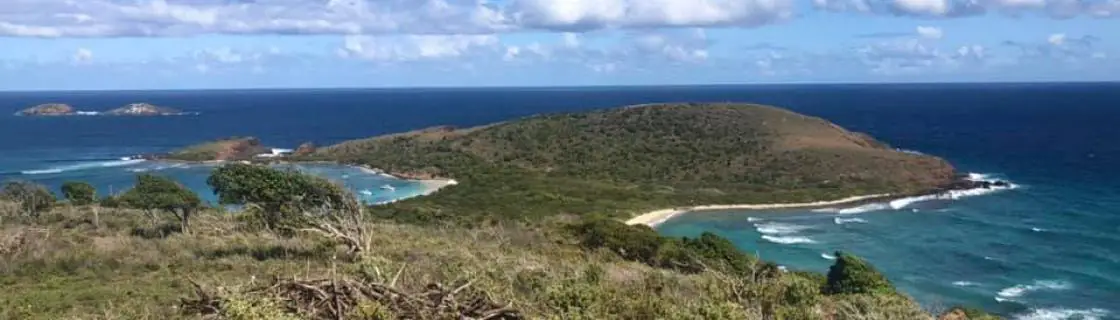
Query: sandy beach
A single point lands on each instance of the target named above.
(431, 186)
(654, 218)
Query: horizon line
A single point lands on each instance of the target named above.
(438, 87)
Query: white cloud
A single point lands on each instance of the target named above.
(959, 8)
(594, 14)
(419, 47)
(112, 18)
(1056, 39)
(930, 32)
(82, 56)
(924, 7)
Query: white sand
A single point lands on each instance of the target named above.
(655, 218)
(431, 186)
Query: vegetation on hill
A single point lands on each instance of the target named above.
(235, 148)
(61, 265)
(530, 233)
(622, 161)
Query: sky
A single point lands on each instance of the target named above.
(203, 44)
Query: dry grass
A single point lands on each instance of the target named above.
(60, 266)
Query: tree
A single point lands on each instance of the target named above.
(32, 198)
(156, 193)
(280, 195)
(850, 274)
(294, 200)
(80, 194)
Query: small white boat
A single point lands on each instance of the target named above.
(388, 187)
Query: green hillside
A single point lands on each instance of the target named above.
(620, 161)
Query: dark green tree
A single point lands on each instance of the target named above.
(850, 274)
(278, 195)
(79, 193)
(156, 193)
(32, 198)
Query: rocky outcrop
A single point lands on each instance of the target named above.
(143, 109)
(231, 149)
(304, 149)
(48, 109)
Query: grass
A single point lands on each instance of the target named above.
(60, 266)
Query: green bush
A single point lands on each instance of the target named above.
(718, 252)
(79, 193)
(850, 274)
(638, 243)
(156, 193)
(32, 198)
(280, 195)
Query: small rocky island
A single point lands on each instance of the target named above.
(48, 109)
(143, 109)
(231, 149)
(133, 109)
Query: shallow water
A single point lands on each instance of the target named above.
(1046, 250)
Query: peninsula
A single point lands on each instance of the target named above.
(534, 230)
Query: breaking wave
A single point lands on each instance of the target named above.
(1010, 293)
(828, 256)
(1064, 314)
(839, 220)
(83, 166)
(778, 228)
(788, 240)
(964, 284)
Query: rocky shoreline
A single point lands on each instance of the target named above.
(132, 109)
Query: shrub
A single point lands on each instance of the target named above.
(850, 274)
(718, 252)
(32, 198)
(638, 243)
(79, 193)
(280, 194)
(153, 193)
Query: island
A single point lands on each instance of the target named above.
(534, 230)
(143, 109)
(133, 109)
(48, 109)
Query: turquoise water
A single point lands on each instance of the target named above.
(1046, 250)
(112, 176)
(1032, 252)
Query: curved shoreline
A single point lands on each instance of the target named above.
(654, 218)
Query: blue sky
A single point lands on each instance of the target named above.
(189, 44)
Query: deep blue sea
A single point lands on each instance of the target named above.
(1048, 249)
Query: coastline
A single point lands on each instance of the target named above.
(656, 217)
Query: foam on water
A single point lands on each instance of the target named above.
(864, 208)
(83, 166)
(964, 284)
(828, 256)
(788, 240)
(1064, 314)
(1007, 294)
(839, 220)
(778, 228)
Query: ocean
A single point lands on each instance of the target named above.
(1043, 250)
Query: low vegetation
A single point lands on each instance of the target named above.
(621, 161)
(531, 233)
(235, 148)
(339, 264)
